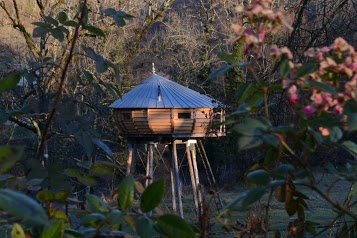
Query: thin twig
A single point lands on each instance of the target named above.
(62, 81)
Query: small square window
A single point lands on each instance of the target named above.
(127, 115)
(184, 115)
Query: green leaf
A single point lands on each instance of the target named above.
(87, 180)
(291, 207)
(252, 196)
(43, 25)
(51, 20)
(21, 206)
(62, 196)
(119, 20)
(73, 232)
(152, 196)
(115, 218)
(9, 82)
(4, 116)
(305, 69)
(62, 17)
(219, 71)
(233, 202)
(103, 146)
(100, 64)
(63, 29)
(144, 227)
(57, 34)
(9, 155)
(90, 52)
(109, 11)
(245, 130)
(330, 167)
(283, 169)
(40, 32)
(45, 196)
(70, 23)
(284, 68)
(96, 205)
(352, 122)
(102, 170)
(229, 58)
(74, 173)
(92, 219)
(174, 227)
(350, 147)
(17, 231)
(88, 75)
(335, 134)
(95, 30)
(54, 231)
(126, 192)
(248, 142)
(322, 86)
(259, 177)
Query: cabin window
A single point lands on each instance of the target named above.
(184, 115)
(126, 115)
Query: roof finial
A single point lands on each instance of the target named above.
(153, 68)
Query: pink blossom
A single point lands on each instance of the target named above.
(261, 34)
(338, 109)
(319, 56)
(292, 89)
(324, 131)
(309, 110)
(353, 67)
(257, 9)
(294, 98)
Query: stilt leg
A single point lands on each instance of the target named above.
(130, 160)
(176, 176)
(149, 164)
(192, 175)
(197, 180)
(134, 156)
(173, 191)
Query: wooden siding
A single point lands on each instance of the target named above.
(164, 121)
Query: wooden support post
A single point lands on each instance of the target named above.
(207, 161)
(195, 169)
(134, 156)
(173, 191)
(130, 160)
(205, 166)
(192, 175)
(149, 164)
(177, 186)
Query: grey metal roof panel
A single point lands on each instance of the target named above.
(173, 95)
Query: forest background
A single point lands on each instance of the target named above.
(182, 38)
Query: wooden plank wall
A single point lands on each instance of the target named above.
(164, 121)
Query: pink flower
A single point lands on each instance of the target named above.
(261, 34)
(338, 109)
(292, 89)
(294, 98)
(309, 110)
(319, 56)
(257, 9)
(324, 131)
(274, 50)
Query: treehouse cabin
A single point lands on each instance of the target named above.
(161, 110)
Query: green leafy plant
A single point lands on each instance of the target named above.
(322, 96)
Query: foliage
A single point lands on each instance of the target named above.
(45, 218)
(322, 96)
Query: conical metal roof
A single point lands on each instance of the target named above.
(159, 92)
